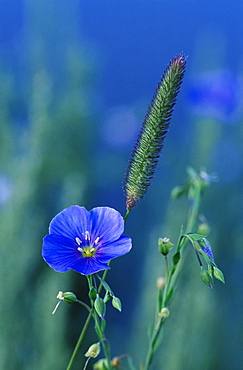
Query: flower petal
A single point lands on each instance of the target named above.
(206, 248)
(72, 222)
(89, 265)
(74, 226)
(107, 224)
(59, 252)
(118, 248)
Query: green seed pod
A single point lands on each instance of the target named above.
(69, 297)
(217, 273)
(206, 278)
(100, 306)
(92, 293)
(116, 303)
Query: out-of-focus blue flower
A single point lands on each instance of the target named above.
(85, 241)
(206, 248)
(6, 188)
(216, 94)
(120, 126)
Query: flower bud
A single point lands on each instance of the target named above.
(217, 273)
(100, 306)
(206, 278)
(203, 229)
(69, 297)
(93, 350)
(101, 364)
(107, 297)
(92, 294)
(164, 245)
(116, 362)
(116, 303)
(160, 282)
(164, 313)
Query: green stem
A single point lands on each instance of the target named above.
(84, 305)
(85, 327)
(100, 331)
(81, 337)
(171, 277)
(152, 344)
(103, 278)
(126, 215)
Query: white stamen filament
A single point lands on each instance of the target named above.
(58, 303)
(79, 242)
(97, 240)
(86, 235)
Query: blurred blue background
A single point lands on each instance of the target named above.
(76, 80)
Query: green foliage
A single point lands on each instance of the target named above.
(46, 162)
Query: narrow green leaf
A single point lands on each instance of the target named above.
(176, 258)
(195, 236)
(160, 298)
(169, 296)
(105, 285)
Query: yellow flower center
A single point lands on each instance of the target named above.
(88, 250)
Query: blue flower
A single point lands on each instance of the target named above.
(206, 248)
(85, 241)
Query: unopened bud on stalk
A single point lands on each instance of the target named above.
(100, 306)
(101, 364)
(206, 278)
(93, 350)
(67, 297)
(217, 273)
(116, 362)
(203, 228)
(164, 313)
(160, 282)
(164, 245)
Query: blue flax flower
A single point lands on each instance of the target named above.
(85, 241)
(206, 248)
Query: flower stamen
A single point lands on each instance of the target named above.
(86, 235)
(87, 251)
(79, 242)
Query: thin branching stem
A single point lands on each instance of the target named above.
(171, 278)
(91, 313)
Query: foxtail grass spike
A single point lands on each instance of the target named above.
(145, 155)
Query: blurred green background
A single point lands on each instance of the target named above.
(76, 80)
